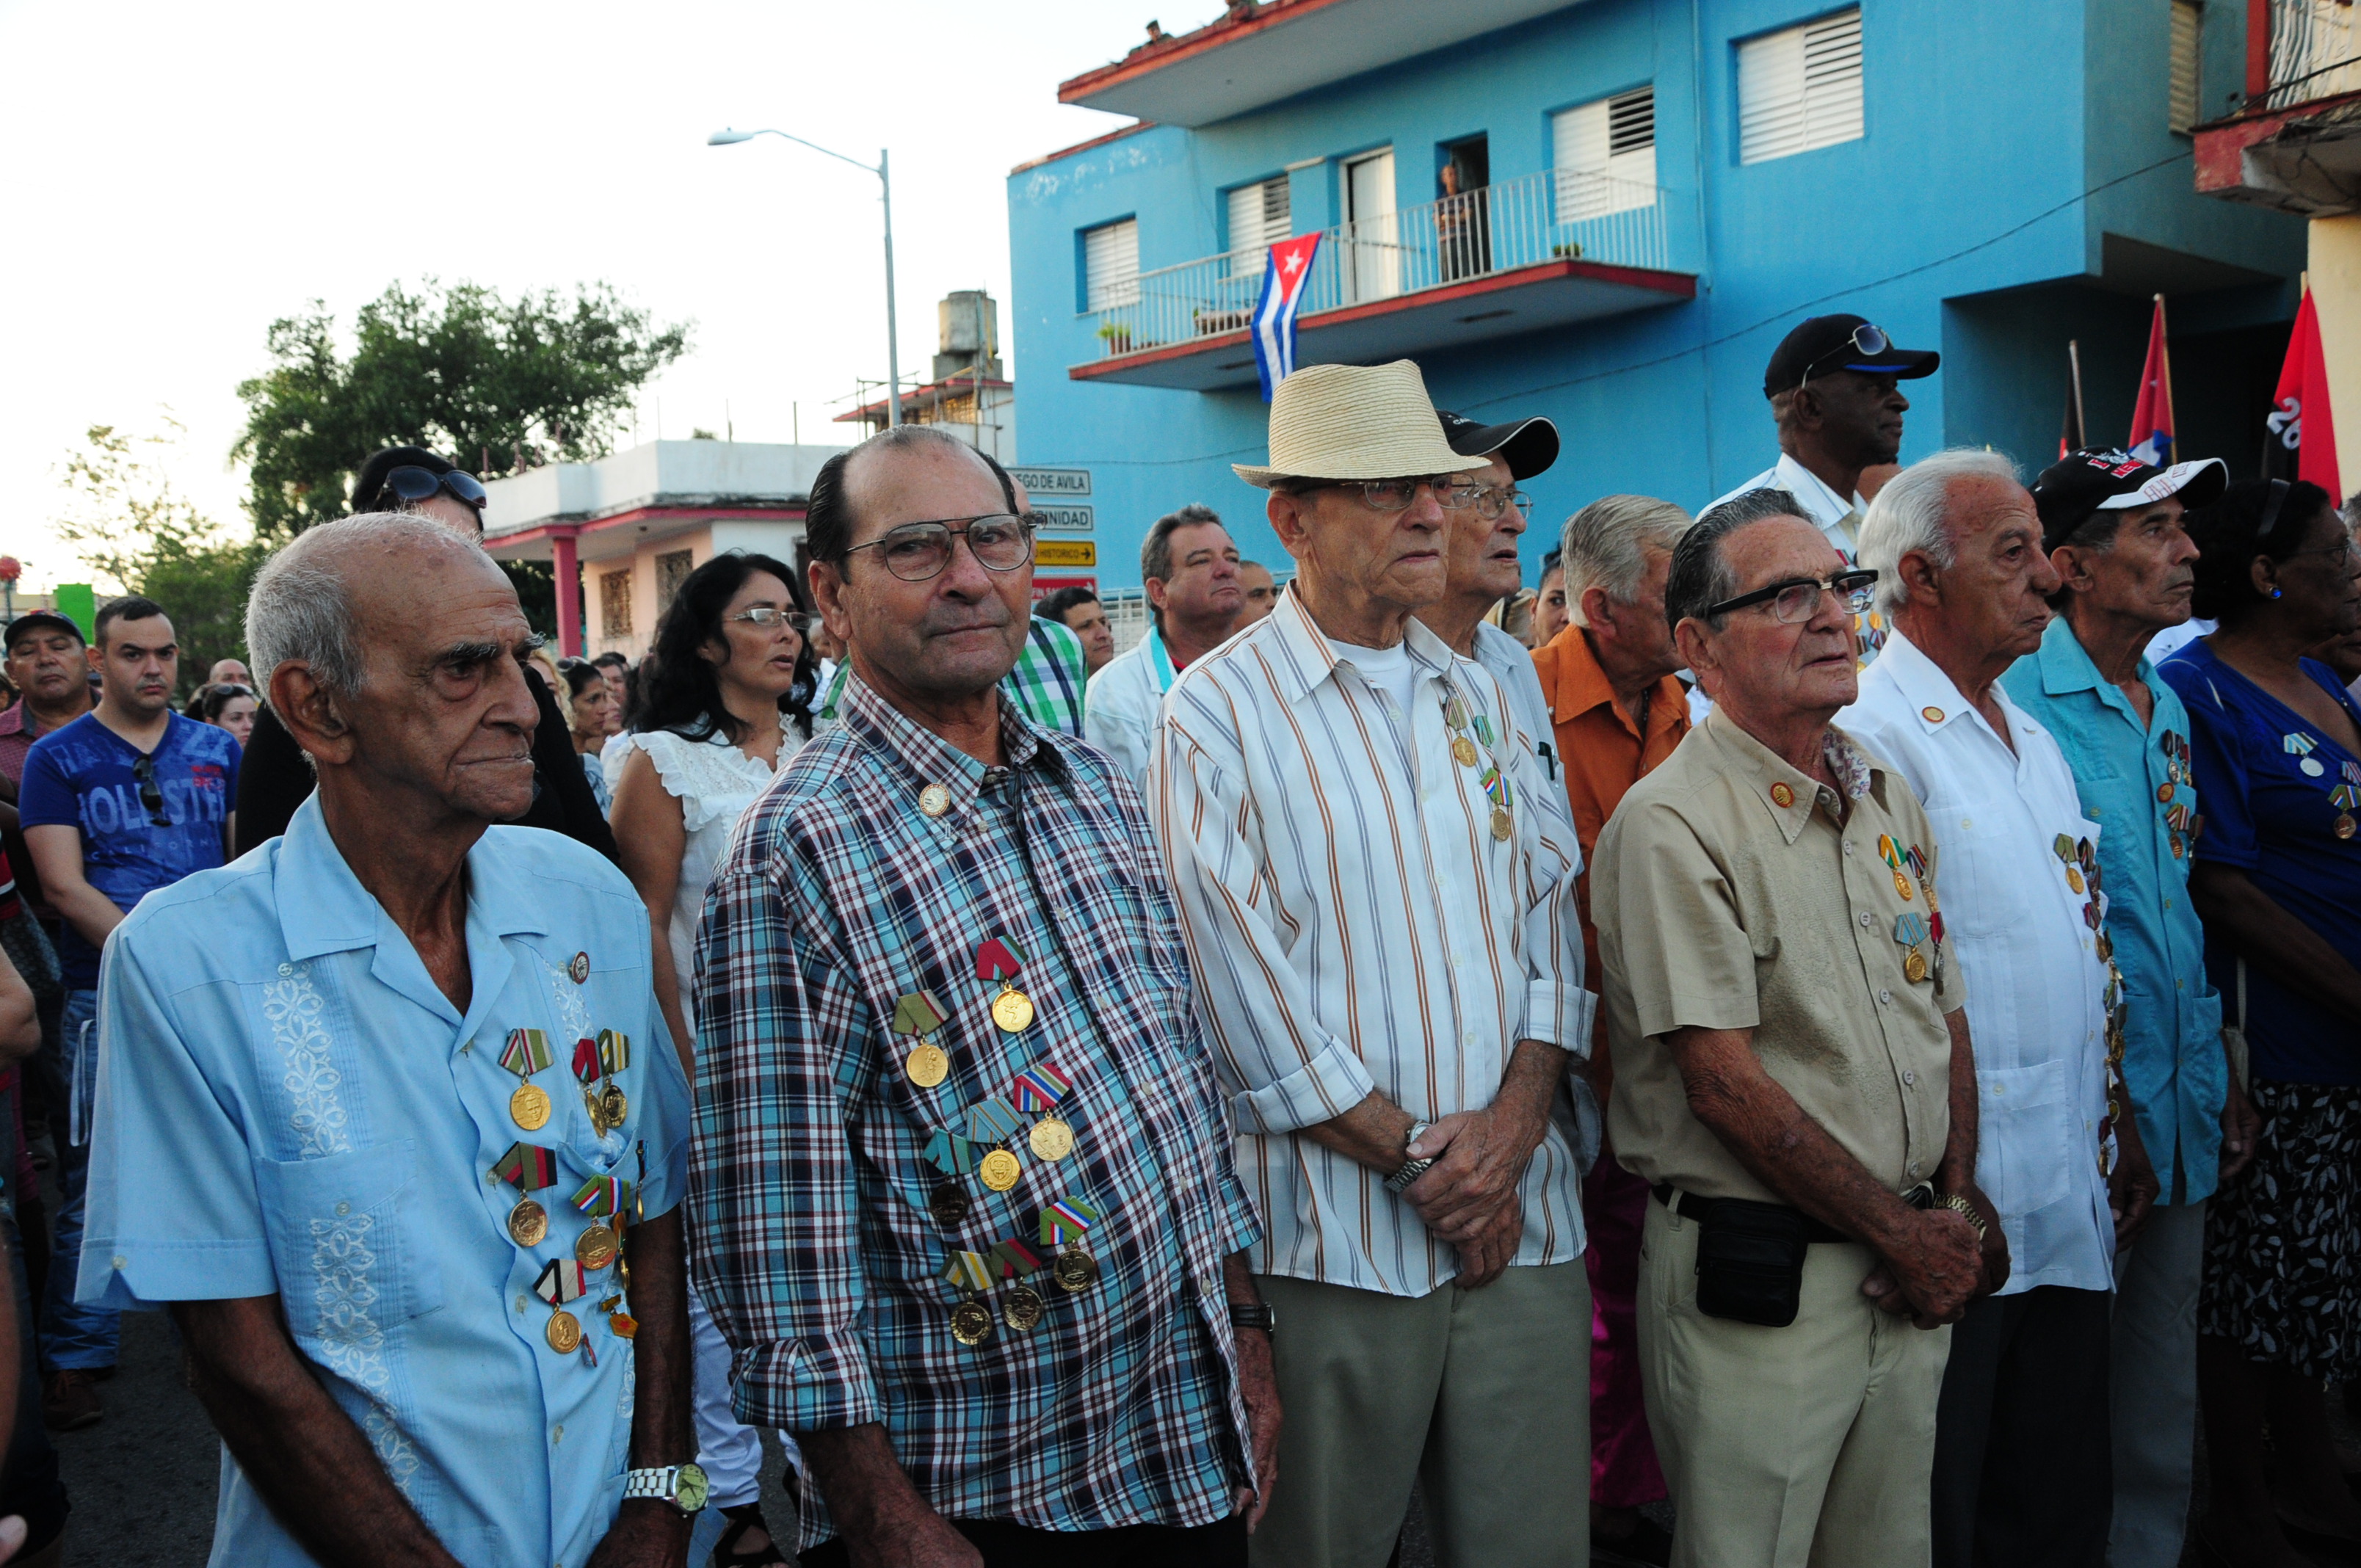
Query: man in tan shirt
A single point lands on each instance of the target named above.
(1785, 1022)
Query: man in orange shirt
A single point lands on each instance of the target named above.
(1617, 712)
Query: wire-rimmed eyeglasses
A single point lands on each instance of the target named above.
(915, 552)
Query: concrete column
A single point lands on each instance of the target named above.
(569, 596)
(2335, 263)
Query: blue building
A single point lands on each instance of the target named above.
(1609, 212)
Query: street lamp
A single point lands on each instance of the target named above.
(727, 138)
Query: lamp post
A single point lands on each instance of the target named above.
(726, 138)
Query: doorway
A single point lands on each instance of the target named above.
(1463, 219)
(1373, 250)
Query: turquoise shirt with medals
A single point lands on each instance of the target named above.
(287, 1104)
(2135, 781)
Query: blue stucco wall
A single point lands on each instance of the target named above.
(1964, 219)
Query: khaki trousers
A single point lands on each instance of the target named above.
(1806, 1445)
(1482, 1396)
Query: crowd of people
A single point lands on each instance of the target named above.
(1391, 1032)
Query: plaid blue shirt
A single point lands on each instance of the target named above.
(809, 1185)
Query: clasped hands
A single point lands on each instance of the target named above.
(1468, 1197)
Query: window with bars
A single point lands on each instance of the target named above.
(1604, 153)
(1111, 265)
(1259, 218)
(1799, 88)
(672, 569)
(2188, 64)
(615, 603)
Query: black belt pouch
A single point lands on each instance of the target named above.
(1751, 1261)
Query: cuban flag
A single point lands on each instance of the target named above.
(2151, 438)
(1283, 279)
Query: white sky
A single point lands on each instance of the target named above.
(179, 175)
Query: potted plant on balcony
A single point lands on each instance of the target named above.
(1118, 336)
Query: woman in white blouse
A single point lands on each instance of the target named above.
(725, 697)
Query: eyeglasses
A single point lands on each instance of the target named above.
(413, 484)
(1492, 503)
(2337, 553)
(1452, 492)
(1797, 599)
(151, 795)
(915, 552)
(768, 616)
(1867, 341)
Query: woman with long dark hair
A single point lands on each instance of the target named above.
(724, 699)
(2276, 744)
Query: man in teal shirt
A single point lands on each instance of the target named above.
(2113, 527)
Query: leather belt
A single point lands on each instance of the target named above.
(1689, 1206)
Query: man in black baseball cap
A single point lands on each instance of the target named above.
(1834, 387)
(2073, 491)
(411, 478)
(47, 665)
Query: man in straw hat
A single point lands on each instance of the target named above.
(1381, 914)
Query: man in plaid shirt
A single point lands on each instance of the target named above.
(962, 1175)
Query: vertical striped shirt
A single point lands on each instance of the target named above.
(1355, 925)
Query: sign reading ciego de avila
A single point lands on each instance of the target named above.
(1053, 484)
(1066, 519)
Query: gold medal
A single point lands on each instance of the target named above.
(1023, 1306)
(927, 1065)
(1012, 1009)
(613, 1104)
(1051, 1139)
(2163, 793)
(529, 1107)
(999, 1169)
(2073, 879)
(1902, 887)
(1914, 965)
(934, 800)
(1502, 823)
(528, 1222)
(596, 1247)
(2345, 824)
(565, 1332)
(625, 1325)
(970, 1324)
(2178, 849)
(1462, 750)
(1076, 1270)
(949, 1204)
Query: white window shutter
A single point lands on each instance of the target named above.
(1800, 89)
(1611, 137)
(1259, 218)
(2188, 62)
(1111, 265)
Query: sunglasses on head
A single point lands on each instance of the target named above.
(414, 484)
(1868, 341)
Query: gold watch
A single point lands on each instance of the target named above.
(1960, 1206)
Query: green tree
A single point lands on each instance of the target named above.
(497, 384)
(141, 536)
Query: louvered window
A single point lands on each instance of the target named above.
(1111, 265)
(1799, 88)
(1259, 219)
(1605, 155)
(2188, 62)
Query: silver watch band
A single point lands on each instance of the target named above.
(1409, 1170)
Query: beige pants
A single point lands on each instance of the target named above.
(1482, 1396)
(1810, 1444)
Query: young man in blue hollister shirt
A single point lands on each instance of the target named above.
(129, 798)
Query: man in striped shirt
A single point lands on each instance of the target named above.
(1381, 914)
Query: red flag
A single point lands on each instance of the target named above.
(2302, 427)
(2151, 437)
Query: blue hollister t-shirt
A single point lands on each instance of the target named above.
(81, 775)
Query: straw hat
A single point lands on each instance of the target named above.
(1355, 421)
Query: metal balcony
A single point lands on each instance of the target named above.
(1546, 250)
(2296, 144)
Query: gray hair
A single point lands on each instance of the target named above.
(1156, 550)
(1606, 546)
(1699, 576)
(1912, 513)
(301, 610)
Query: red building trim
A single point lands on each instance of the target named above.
(1151, 58)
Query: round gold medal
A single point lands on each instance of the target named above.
(926, 1065)
(1076, 1270)
(1462, 750)
(2177, 848)
(2164, 792)
(999, 1169)
(1502, 823)
(596, 1247)
(2073, 879)
(1914, 965)
(2345, 824)
(1012, 1010)
(1051, 1139)
(529, 1107)
(528, 1222)
(565, 1332)
(949, 1204)
(1023, 1306)
(1902, 885)
(613, 1105)
(970, 1324)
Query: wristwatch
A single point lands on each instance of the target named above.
(1960, 1206)
(682, 1486)
(1254, 1315)
(1409, 1170)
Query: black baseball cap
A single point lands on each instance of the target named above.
(2078, 485)
(36, 621)
(1841, 343)
(1528, 445)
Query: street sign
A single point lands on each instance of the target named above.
(1065, 552)
(1067, 520)
(1060, 484)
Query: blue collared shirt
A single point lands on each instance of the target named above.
(2172, 1027)
(287, 1104)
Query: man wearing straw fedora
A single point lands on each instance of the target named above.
(1381, 916)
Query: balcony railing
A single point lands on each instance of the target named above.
(1554, 215)
(2315, 52)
